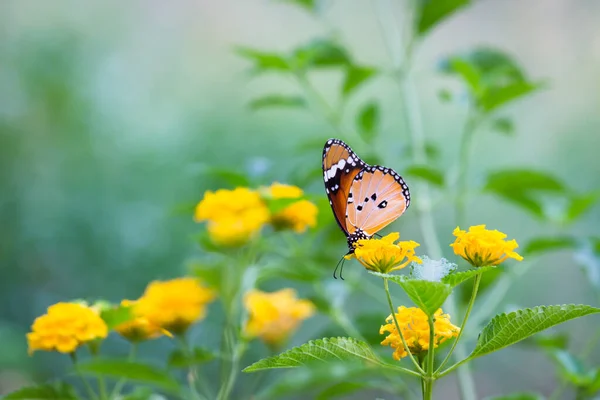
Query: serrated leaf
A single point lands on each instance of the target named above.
(116, 316)
(129, 370)
(264, 61)
(427, 173)
(181, 359)
(61, 391)
(504, 126)
(427, 295)
(356, 76)
(456, 278)
(432, 12)
(326, 349)
(506, 329)
(549, 243)
(276, 100)
(497, 97)
(368, 119)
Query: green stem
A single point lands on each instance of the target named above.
(431, 359)
(466, 144)
(119, 386)
(452, 368)
(389, 299)
(193, 378)
(464, 323)
(86, 384)
(226, 389)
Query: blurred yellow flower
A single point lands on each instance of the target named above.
(297, 216)
(65, 327)
(139, 328)
(383, 255)
(175, 304)
(281, 191)
(274, 316)
(482, 247)
(234, 216)
(415, 328)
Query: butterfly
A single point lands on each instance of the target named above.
(364, 198)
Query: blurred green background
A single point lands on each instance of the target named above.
(114, 116)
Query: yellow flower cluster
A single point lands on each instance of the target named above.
(139, 328)
(483, 247)
(383, 255)
(415, 328)
(236, 216)
(174, 305)
(65, 327)
(273, 316)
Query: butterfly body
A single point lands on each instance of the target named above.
(364, 198)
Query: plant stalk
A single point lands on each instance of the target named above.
(464, 323)
(389, 298)
(86, 384)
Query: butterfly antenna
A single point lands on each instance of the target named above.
(378, 235)
(337, 266)
(342, 268)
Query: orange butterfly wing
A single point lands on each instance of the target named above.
(378, 196)
(340, 166)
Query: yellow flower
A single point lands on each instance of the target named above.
(273, 316)
(65, 327)
(174, 305)
(281, 191)
(383, 255)
(482, 247)
(139, 328)
(298, 216)
(415, 328)
(234, 216)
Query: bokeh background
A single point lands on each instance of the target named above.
(114, 117)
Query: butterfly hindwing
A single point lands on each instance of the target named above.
(340, 166)
(377, 197)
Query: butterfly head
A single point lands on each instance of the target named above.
(355, 237)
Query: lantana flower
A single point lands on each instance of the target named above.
(274, 316)
(175, 304)
(297, 215)
(233, 216)
(139, 328)
(415, 328)
(483, 247)
(65, 327)
(384, 255)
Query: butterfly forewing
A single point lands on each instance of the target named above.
(378, 196)
(340, 166)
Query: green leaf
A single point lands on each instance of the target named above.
(277, 100)
(326, 349)
(309, 5)
(129, 370)
(264, 61)
(467, 72)
(551, 341)
(571, 368)
(342, 389)
(544, 244)
(60, 391)
(368, 119)
(456, 278)
(427, 295)
(578, 205)
(506, 329)
(181, 359)
(140, 393)
(426, 173)
(522, 180)
(518, 396)
(116, 316)
(224, 175)
(504, 126)
(432, 12)
(356, 76)
(497, 97)
(320, 53)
